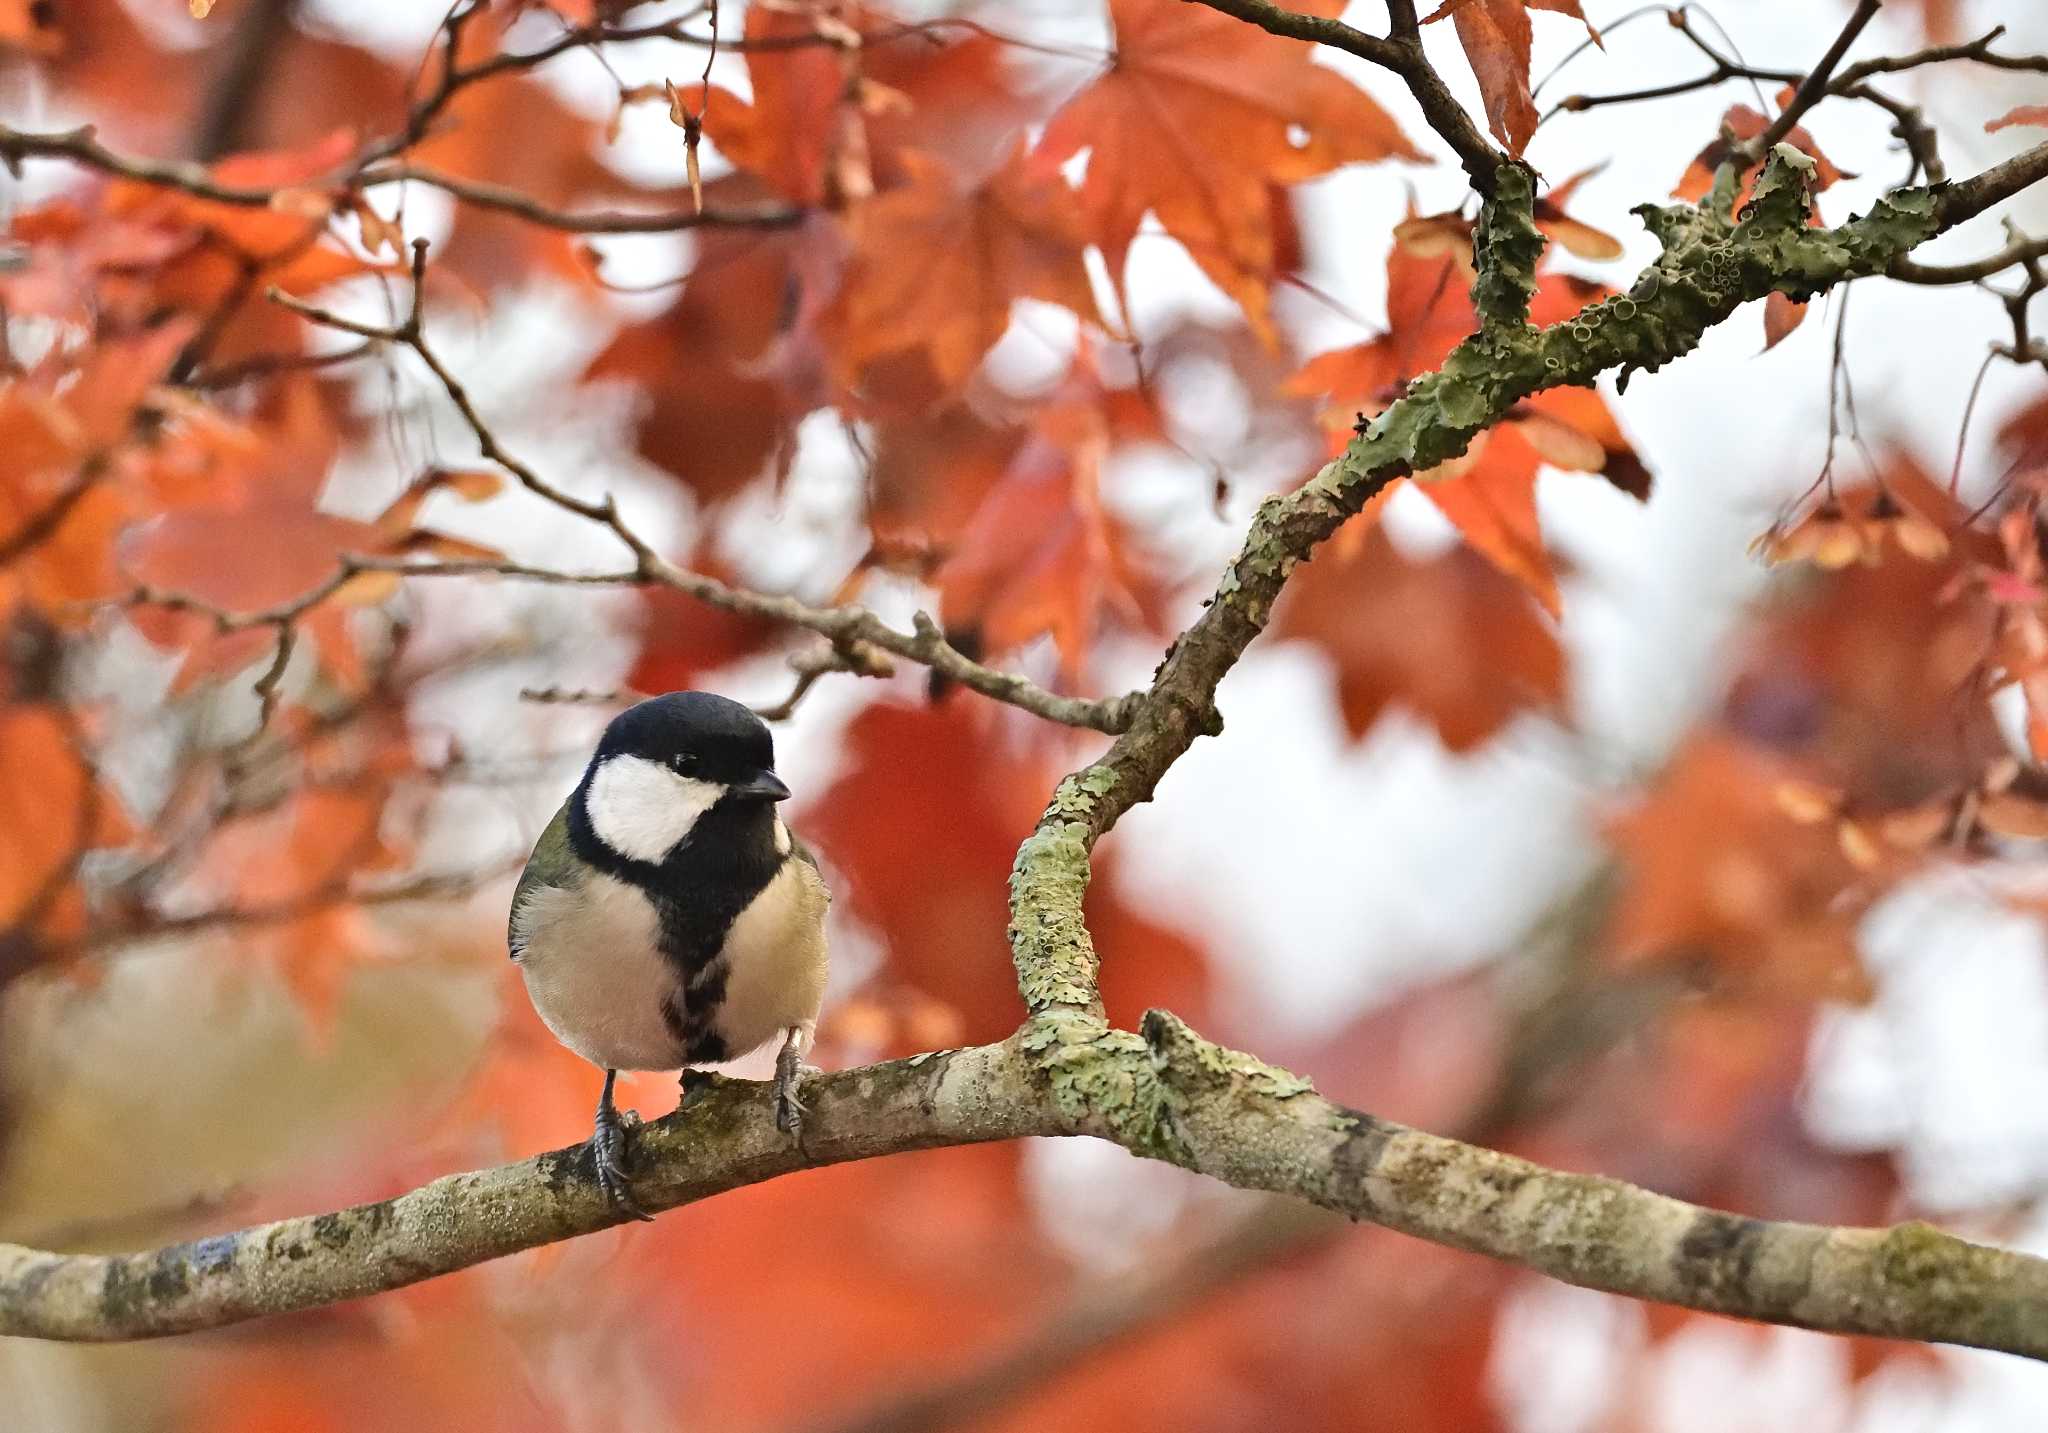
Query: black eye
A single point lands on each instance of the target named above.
(685, 763)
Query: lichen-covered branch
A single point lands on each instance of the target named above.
(1241, 1122)
(1712, 265)
(1209, 1109)
(721, 1138)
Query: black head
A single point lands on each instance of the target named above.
(701, 736)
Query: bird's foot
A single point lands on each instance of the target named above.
(610, 1153)
(790, 1074)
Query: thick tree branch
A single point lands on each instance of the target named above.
(1210, 1109)
(722, 1138)
(1967, 198)
(1710, 268)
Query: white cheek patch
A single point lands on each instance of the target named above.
(782, 842)
(641, 809)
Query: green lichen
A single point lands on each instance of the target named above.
(1187, 1062)
(1935, 1277)
(1055, 961)
(1103, 1079)
(1783, 196)
(1506, 247)
(1049, 942)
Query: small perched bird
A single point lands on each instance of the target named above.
(667, 917)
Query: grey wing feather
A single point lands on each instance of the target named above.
(552, 864)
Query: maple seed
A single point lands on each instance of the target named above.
(692, 126)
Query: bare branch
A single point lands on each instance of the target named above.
(1815, 86)
(81, 146)
(519, 203)
(1978, 50)
(2019, 251)
(847, 628)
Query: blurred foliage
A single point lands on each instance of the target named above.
(243, 978)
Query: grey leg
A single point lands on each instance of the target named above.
(790, 1070)
(608, 1153)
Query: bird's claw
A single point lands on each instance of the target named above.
(608, 1158)
(790, 1074)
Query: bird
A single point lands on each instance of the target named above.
(668, 918)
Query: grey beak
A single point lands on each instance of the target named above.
(765, 787)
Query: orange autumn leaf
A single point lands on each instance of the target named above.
(71, 476)
(1040, 554)
(1781, 316)
(1717, 869)
(1490, 497)
(1496, 35)
(295, 862)
(220, 260)
(930, 472)
(1740, 124)
(1862, 672)
(681, 639)
(202, 553)
(937, 264)
(723, 374)
(828, 123)
(514, 130)
(1194, 122)
(47, 823)
(802, 132)
(1448, 637)
(2035, 114)
(1489, 491)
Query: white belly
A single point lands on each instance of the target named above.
(595, 976)
(775, 957)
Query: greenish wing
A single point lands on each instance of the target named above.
(552, 864)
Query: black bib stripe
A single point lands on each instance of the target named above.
(697, 891)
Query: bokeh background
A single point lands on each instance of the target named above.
(1373, 877)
